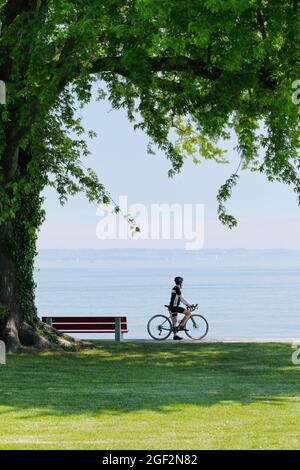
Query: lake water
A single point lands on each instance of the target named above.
(243, 293)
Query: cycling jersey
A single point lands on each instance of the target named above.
(176, 298)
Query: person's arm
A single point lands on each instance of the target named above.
(185, 302)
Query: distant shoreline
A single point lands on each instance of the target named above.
(181, 250)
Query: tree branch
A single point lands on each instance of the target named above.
(261, 24)
(178, 64)
(14, 8)
(164, 64)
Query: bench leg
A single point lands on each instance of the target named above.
(118, 333)
(49, 321)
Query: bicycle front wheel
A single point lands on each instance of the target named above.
(196, 327)
(159, 327)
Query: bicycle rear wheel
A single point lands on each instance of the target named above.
(159, 327)
(196, 327)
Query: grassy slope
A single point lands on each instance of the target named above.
(152, 396)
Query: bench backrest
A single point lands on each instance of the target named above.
(86, 324)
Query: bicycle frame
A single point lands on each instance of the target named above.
(161, 326)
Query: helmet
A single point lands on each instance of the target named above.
(178, 280)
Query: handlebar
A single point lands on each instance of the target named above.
(193, 307)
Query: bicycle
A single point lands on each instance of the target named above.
(160, 326)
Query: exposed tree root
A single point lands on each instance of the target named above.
(42, 337)
(10, 336)
(58, 339)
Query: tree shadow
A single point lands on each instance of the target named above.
(117, 378)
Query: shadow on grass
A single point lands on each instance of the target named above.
(119, 378)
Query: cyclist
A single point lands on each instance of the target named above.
(174, 307)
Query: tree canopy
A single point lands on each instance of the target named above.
(193, 66)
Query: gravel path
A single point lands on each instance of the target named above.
(221, 340)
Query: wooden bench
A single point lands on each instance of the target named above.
(117, 325)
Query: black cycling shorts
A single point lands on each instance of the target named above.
(176, 310)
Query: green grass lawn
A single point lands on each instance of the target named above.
(152, 396)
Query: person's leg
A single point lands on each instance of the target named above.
(175, 312)
(175, 329)
(187, 315)
(174, 322)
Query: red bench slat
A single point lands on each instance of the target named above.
(85, 326)
(83, 319)
(89, 331)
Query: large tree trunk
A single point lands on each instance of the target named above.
(14, 249)
(15, 330)
(10, 311)
(19, 323)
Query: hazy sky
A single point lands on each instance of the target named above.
(268, 213)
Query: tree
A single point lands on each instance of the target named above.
(196, 67)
